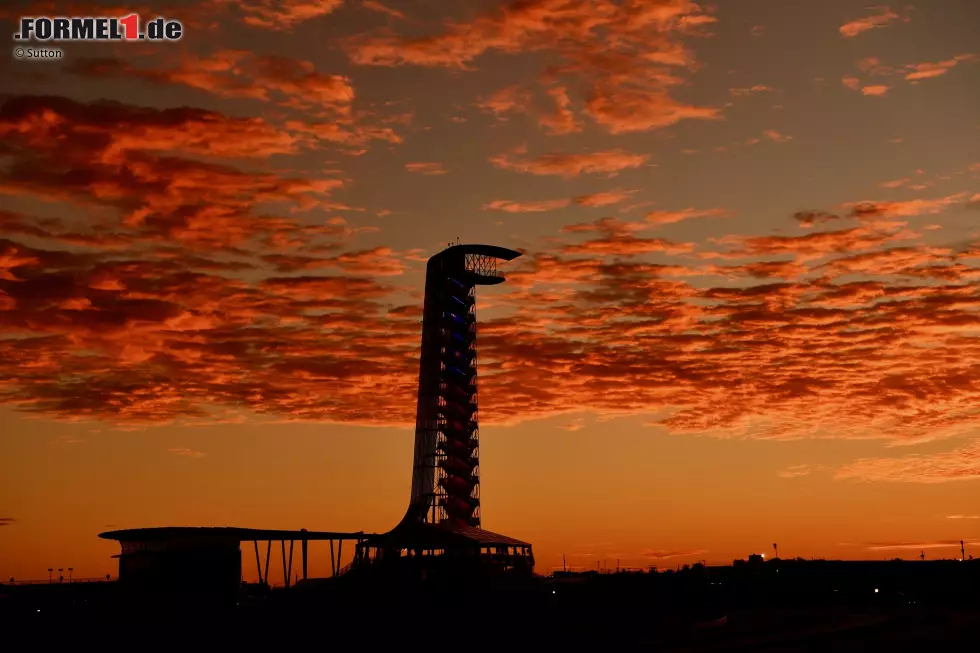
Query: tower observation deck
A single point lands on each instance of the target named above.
(446, 471)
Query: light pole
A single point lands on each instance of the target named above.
(49, 575)
(61, 576)
(70, 569)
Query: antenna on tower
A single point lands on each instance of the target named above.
(962, 551)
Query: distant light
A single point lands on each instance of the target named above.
(876, 590)
(39, 609)
(552, 591)
(763, 556)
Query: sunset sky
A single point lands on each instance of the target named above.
(748, 310)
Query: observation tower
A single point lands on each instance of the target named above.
(446, 473)
(443, 516)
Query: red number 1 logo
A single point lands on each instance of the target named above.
(132, 25)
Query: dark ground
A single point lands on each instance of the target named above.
(768, 630)
(812, 609)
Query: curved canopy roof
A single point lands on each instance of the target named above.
(229, 533)
(476, 262)
(484, 250)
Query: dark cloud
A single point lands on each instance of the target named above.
(811, 218)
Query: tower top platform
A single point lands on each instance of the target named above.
(477, 262)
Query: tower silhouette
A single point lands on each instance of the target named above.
(446, 470)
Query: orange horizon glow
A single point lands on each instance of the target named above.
(748, 309)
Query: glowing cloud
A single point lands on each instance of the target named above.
(881, 17)
(607, 162)
(961, 464)
(426, 168)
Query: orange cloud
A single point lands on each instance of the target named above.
(618, 240)
(776, 137)
(795, 471)
(292, 84)
(893, 261)
(808, 219)
(882, 16)
(919, 71)
(911, 72)
(524, 26)
(876, 90)
(918, 546)
(896, 183)
(378, 261)
(659, 554)
(110, 131)
(426, 168)
(610, 226)
(807, 357)
(184, 451)
(374, 5)
(742, 92)
(810, 246)
(342, 133)
(112, 320)
(623, 111)
(328, 288)
(162, 198)
(604, 199)
(670, 217)
(562, 120)
(512, 99)
(762, 270)
(280, 14)
(594, 200)
(629, 85)
(961, 464)
(627, 246)
(907, 208)
(508, 206)
(874, 66)
(571, 165)
(236, 74)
